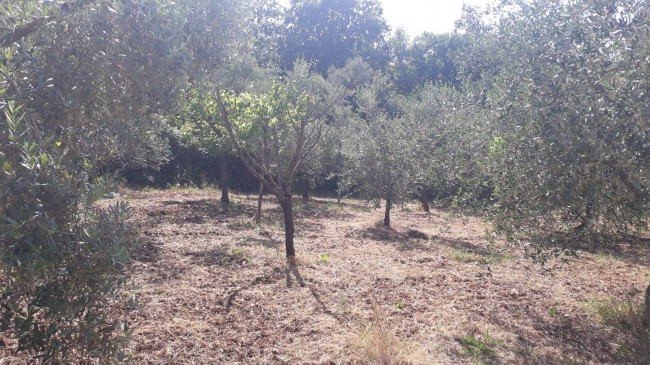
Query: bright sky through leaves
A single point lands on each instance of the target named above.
(417, 16)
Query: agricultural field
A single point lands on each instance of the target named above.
(317, 182)
(208, 285)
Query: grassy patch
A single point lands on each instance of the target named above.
(465, 256)
(482, 349)
(624, 314)
(469, 256)
(607, 257)
(333, 206)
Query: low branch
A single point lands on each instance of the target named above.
(22, 31)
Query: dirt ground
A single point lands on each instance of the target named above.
(210, 286)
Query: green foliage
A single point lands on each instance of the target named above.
(482, 349)
(378, 160)
(427, 59)
(199, 125)
(59, 250)
(329, 33)
(448, 144)
(278, 128)
(323, 259)
(569, 146)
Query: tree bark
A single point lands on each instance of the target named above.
(287, 209)
(260, 196)
(646, 311)
(424, 199)
(223, 164)
(387, 213)
(23, 31)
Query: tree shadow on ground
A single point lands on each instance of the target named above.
(201, 211)
(147, 251)
(632, 249)
(221, 256)
(410, 241)
(293, 273)
(265, 242)
(323, 209)
(150, 252)
(572, 338)
(467, 247)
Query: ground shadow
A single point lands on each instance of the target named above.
(147, 250)
(570, 336)
(467, 247)
(323, 209)
(293, 273)
(266, 242)
(403, 242)
(222, 256)
(633, 249)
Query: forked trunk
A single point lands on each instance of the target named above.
(258, 215)
(287, 209)
(223, 164)
(424, 199)
(387, 214)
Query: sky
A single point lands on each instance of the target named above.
(417, 16)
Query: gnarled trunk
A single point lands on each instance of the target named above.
(223, 164)
(389, 205)
(287, 210)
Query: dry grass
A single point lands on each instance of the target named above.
(377, 343)
(210, 287)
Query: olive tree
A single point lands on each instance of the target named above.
(84, 87)
(288, 121)
(378, 148)
(570, 151)
(449, 135)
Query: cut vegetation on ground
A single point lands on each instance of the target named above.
(210, 286)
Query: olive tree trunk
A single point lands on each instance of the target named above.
(389, 205)
(424, 199)
(223, 164)
(287, 210)
(260, 196)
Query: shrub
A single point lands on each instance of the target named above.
(58, 249)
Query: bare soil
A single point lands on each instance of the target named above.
(210, 286)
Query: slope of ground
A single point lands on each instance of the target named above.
(210, 286)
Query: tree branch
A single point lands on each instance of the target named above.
(23, 31)
(247, 162)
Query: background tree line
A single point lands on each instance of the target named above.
(535, 113)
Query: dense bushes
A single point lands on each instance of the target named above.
(569, 154)
(58, 249)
